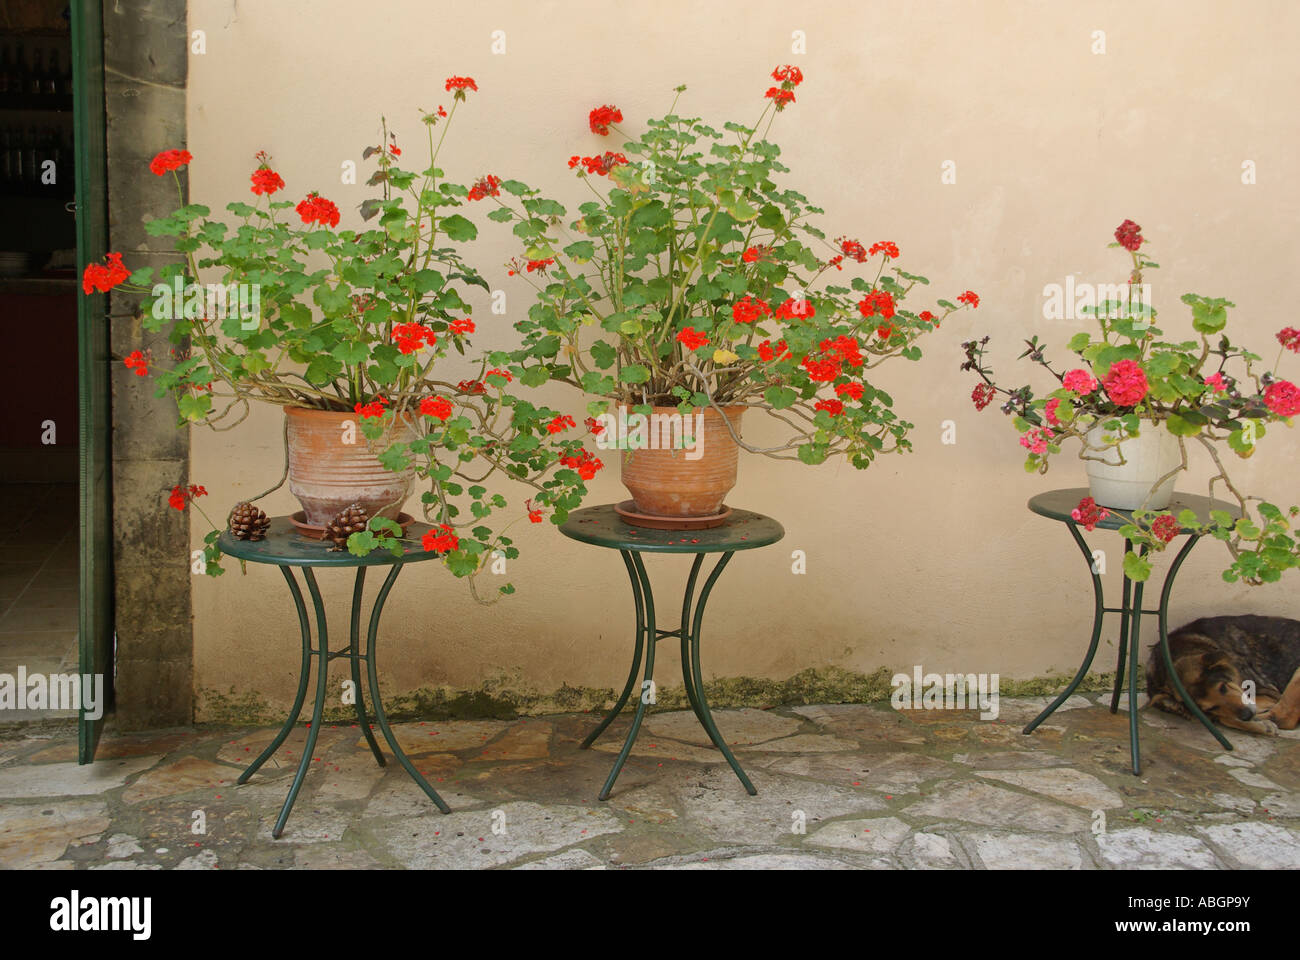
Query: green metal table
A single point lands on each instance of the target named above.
(601, 526)
(285, 548)
(1056, 505)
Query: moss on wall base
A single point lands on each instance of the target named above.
(498, 700)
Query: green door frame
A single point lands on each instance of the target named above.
(95, 638)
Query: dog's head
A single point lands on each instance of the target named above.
(1214, 683)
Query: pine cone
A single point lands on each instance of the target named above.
(352, 520)
(247, 522)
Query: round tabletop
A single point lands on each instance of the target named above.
(601, 526)
(284, 546)
(1057, 504)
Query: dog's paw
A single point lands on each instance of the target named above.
(1267, 727)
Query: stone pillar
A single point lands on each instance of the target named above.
(146, 51)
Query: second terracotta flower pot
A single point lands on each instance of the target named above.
(327, 473)
(689, 463)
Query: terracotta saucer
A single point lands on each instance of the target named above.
(627, 510)
(311, 531)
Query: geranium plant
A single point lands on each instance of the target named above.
(692, 277)
(283, 306)
(1129, 377)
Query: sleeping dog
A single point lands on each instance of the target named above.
(1216, 656)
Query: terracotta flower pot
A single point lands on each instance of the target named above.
(687, 467)
(327, 474)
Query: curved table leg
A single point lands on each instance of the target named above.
(378, 703)
(692, 694)
(322, 671)
(1133, 745)
(359, 703)
(1188, 702)
(702, 705)
(636, 657)
(1125, 613)
(1099, 613)
(304, 671)
(649, 677)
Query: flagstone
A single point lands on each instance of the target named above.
(716, 805)
(1254, 845)
(993, 806)
(1020, 710)
(862, 722)
(244, 750)
(526, 740)
(660, 749)
(1143, 849)
(804, 743)
(743, 727)
(40, 833)
(465, 840)
(569, 860)
(70, 779)
(1006, 851)
(327, 856)
(772, 861)
(442, 737)
(928, 851)
(181, 776)
(1061, 783)
(873, 835)
(1282, 804)
(1011, 760)
(111, 747)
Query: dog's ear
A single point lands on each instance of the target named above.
(1215, 668)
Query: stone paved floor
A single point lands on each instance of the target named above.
(869, 786)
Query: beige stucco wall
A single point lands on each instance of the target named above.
(927, 559)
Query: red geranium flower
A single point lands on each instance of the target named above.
(877, 303)
(794, 309)
(316, 209)
(1166, 527)
(489, 186)
(459, 328)
(438, 407)
(266, 181)
(1088, 513)
(788, 74)
(982, 395)
(560, 424)
(887, 247)
(583, 462)
(601, 117)
(375, 408)
(183, 495)
(1125, 383)
(534, 516)
(852, 249)
(1289, 337)
(971, 298)
(780, 96)
(692, 339)
(599, 165)
(169, 160)
(412, 337)
(746, 311)
(594, 425)
(496, 372)
(460, 85)
(135, 360)
(833, 407)
(471, 386)
(756, 253)
(104, 277)
(539, 265)
(1129, 235)
(767, 353)
(442, 540)
(851, 390)
(1283, 398)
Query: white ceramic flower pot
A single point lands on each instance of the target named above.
(1128, 485)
